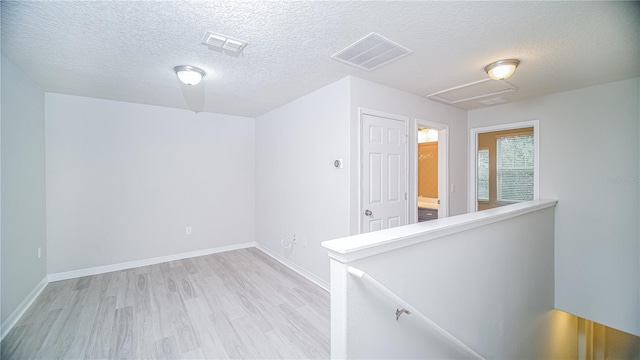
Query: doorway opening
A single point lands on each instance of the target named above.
(504, 163)
(431, 169)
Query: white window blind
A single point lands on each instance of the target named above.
(515, 168)
(483, 175)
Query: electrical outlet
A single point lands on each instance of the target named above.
(188, 230)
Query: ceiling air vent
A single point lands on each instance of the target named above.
(472, 91)
(371, 52)
(223, 44)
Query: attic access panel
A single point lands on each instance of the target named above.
(471, 91)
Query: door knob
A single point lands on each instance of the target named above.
(368, 212)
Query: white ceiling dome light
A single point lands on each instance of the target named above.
(502, 69)
(189, 75)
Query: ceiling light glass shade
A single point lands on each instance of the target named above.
(189, 75)
(502, 69)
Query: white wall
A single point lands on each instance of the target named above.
(589, 161)
(23, 187)
(298, 190)
(490, 286)
(370, 95)
(124, 180)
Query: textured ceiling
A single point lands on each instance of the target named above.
(126, 50)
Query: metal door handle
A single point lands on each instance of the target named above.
(368, 212)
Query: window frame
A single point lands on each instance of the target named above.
(472, 201)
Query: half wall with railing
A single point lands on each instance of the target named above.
(479, 285)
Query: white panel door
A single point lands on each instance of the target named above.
(383, 179)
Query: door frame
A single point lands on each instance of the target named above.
(472, 202)
(405, 119)
(443, 167)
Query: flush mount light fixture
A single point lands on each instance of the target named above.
(189, 75)
(502, 69)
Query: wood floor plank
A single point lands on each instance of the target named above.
(83, 282)
(184, 284)
(305, 332)
(196, 354)
(200, 264)
(169, 277)
(251, 334)
(38, 311)
(13, 345)
(237, 304)
(142, 299)
(63, 332)
(124, 343)
(208, 338)
(233, 343)
(155, 275)
(33, 339)
(144, 332)
(259, 311)
(79, 341)
(183, 329)
(99, 344)
(190, 266)
(62, 291)
(126, 289)
(167, 349)
(175, 320)
(110, 284)
(286, 349)
(161, 308)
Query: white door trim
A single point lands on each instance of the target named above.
(472, 203)
(366, 111)
(443, 167)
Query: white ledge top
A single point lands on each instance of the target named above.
(360, 246)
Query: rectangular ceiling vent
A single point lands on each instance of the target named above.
(472, 91)
(371, 52)
(223, 44)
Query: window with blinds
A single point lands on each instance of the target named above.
(483, 175)
(514, 168)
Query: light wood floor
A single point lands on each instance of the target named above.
(236, 304)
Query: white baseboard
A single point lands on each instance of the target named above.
(8, 324)
(144, 262)
(309, 276)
